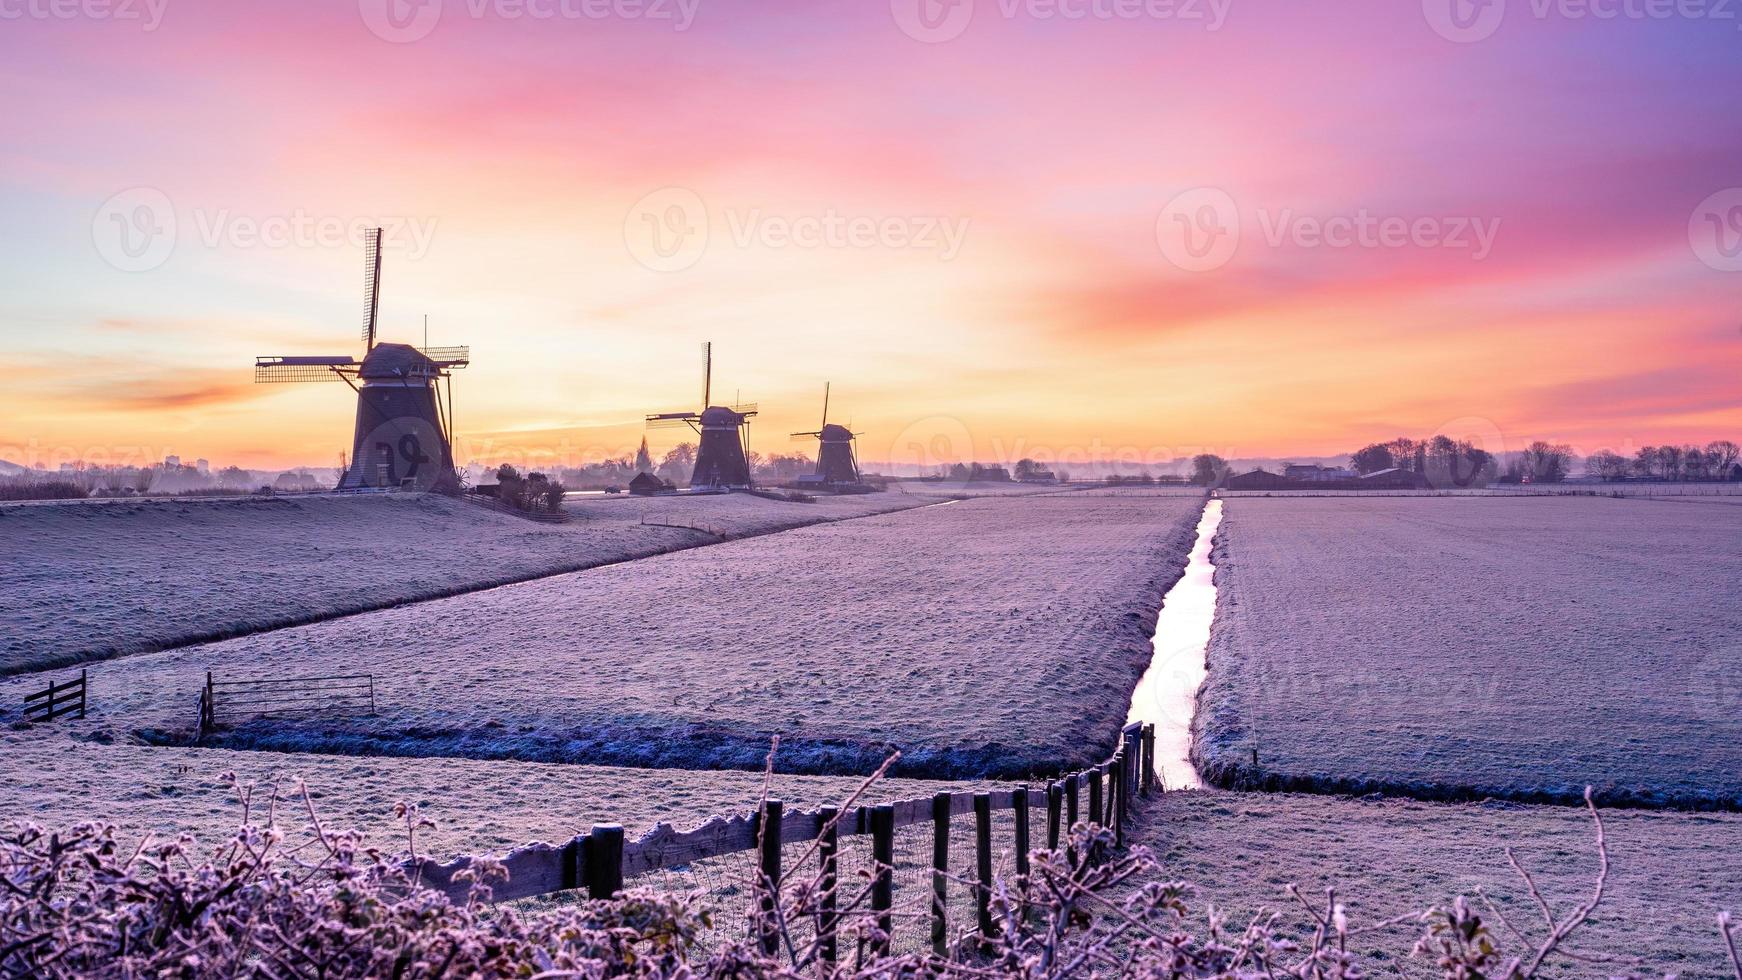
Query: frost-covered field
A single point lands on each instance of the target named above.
(987, 637)
(959, 488)
(90, 580)
(1467, 648)
(1672, 874)
(53, 776)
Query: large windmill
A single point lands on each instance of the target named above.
(404, 429)
(721, 462)
(837, 463)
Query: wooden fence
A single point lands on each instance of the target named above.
(56, 700)
(601, 860)
(229, 700)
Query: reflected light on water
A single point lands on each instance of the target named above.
(1167, 695)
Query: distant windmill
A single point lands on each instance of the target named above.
(721, 461)
(837, 463)
(404, 431)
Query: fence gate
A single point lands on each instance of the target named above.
(232, 700)
(56, 700)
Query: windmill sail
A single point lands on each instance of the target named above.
(371, 286)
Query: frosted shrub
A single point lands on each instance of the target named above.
(77, 904)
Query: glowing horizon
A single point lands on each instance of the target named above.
(1006, 231)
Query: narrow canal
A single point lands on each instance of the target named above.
(1167, 695)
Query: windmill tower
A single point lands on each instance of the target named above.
(403, 436)
(837, 463)
(721, 462)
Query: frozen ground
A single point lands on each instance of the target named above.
(1459, 648)
(1672, 872)
(57, 778)
(90, 580)
(985, 638)
(962, 489)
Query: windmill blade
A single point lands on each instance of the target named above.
(448, 357)
(745, 408)
(685, 416)
(678, 423)
(371, 286)
(806, 436)
(826, 386)
(286, 370)
(707, 372)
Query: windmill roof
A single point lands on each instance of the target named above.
(721, 415)
(396, 361)
(836, 433)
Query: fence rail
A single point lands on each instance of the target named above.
(56, 701)
(601, 860)
(229, 700)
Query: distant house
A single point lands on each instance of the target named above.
(1395, 478)
(646, 484)
(1040, 476)
(1317, 474)
(1260, 480)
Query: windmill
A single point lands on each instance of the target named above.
(721, 462)
(404, 431)
(837, 463)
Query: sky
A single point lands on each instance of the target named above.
(1065, 229)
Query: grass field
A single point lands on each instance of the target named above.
(93, 579)
(1672, 872)
(983, 638)
(1453, 648)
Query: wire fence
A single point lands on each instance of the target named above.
(902, 877)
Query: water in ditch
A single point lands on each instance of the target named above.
(1167, 695)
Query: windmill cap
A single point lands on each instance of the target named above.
(396, 361)
(721, 415)
(836, 433)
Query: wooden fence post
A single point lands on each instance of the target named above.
(883, 885)
(1095, 813)
(1072, 785)
(1116, 801)
(1148, 759)
(603, 860)
(828, 850)
(1019, 800)
(983, 848)
(940, 866)
(768, 884)
(1055, 799)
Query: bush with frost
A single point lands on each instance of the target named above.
(79, 904)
